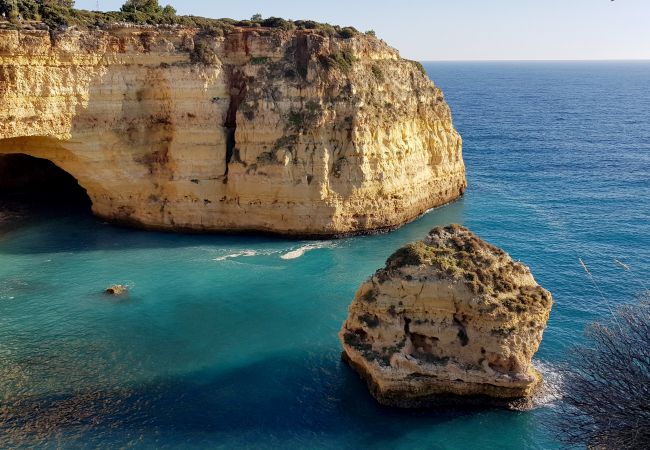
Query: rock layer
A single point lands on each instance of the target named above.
(255, 129)
(448, 319)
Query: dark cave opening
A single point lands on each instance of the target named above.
(30, 183)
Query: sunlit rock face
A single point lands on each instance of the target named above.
(255, 129)
(449, 319)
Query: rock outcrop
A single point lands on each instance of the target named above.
(259, 129)
(117, 289)
(449, 319)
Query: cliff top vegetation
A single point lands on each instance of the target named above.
(54, 14)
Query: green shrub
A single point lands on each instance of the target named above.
(148, 11)
(150, 7)
(258, 60)
(27, 9)
(377, 73)
(287, 141)
(296, 119)
(418, 65)
(304, 117)
(56, 13)
(277, 22)
(307, 24)
(342, 61)
(202, 53)
(413, 254)
(348, 32)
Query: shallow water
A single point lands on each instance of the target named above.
(231, 342)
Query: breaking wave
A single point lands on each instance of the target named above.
(297, 253)
(236, 255)
(551, 389)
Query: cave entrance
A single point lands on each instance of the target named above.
(37, 184)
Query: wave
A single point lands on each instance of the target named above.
(236, 255)
(285, 253)
(297, 253)
(550, 390)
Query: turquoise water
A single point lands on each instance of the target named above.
(242, 351)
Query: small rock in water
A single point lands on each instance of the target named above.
(117, 289)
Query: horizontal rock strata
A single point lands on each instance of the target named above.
(448, 319)
(257, 129)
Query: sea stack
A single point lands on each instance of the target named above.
(232, 128)
(449, 319)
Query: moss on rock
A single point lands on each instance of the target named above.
(460, 255)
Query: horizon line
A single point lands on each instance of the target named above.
(539, 60)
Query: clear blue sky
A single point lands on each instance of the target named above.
(463, 29)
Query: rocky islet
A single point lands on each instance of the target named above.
(449, 319)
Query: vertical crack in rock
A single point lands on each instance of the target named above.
(462, 331)
(407, 322)
(301, 55)
(238, 89)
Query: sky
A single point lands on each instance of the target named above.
(448, 30)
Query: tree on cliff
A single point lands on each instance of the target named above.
(148, 9)
(606, 400)
(144, 6)
(57, 3)
(35, 9)
(13, 9)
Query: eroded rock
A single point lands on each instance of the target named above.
(448, 319)
(290, 132)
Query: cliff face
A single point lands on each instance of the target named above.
(450, 318)
(257, 129)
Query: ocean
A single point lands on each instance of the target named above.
(231, 341)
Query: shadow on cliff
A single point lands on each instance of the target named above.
(77, 231)
(293, 398)
(30, 231)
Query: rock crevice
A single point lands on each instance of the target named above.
(237, 87)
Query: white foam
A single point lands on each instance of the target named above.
(297, 253)
(551, 389)
(236, 255)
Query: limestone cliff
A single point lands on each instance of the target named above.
(254, 129)
(450, 318)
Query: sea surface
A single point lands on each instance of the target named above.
(231, 341)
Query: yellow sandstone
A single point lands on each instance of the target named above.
(449, 319)
(259, 129)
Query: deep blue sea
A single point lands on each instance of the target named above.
(222, 343)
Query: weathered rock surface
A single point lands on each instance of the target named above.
(449, 319)
(258, 129)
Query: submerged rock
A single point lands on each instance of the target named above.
(117, 289)
(450, 319)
